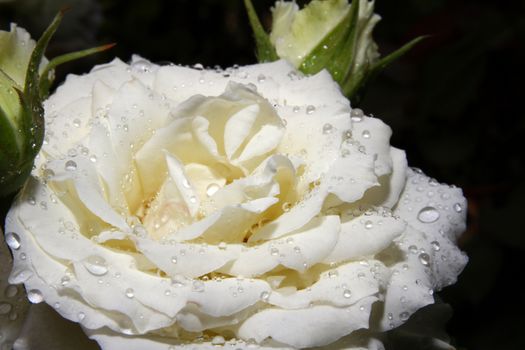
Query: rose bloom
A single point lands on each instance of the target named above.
(185, 207)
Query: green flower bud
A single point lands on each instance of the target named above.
(327, 34)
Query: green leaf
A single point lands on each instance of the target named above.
(385, 61)
(265, 50)
(44, 76)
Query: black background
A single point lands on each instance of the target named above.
(454, 104)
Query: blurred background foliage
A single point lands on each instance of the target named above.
(452, 104)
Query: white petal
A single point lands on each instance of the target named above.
(261, 143)
(177, 174)
(238, 127)
(365, 236)
(315, 326)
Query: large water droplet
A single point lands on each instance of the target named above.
(428, 215)
(35, 296)
(13, 240)
(211, 189)
(96, 265)
(424, 258)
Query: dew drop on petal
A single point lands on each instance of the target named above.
(357, 115)
(71, 165)
(347, 293)
(130, 293)
(96, 265)
(5, 308)
(310, 109)
(274, 251)
(404, 316)
(369, 224)
(365, 134)
(11, 291)
(328, 128)
(64, 280)
(435, 245)
(198, 286)
(412, 249)
(458, 208)
(211, 189)
(93, 158)
(424, 258)
(81, 316)
(13, 240)
(35, 296)
(265, 296)
(428, 215)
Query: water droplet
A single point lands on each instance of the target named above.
(424, 258)
(297, 250)
(365, 134)
(428, 215)
(333, 273)
(56, 305)
(13, 240)
(93, 158)
(130, 293)
(141, 66)
(357, 115)
(81, 316)
(458, 208)
(347, 293)
(274, 251)
(11, 291)
(265, 296)
(310, 109)
(35, 296)
(173, 259)
(404, 316)
(48, 173)
(218, 340)
(412, 249)
(261, 78)
(198, 286)
(5, 308)
(65, 280)
(327, 128)
(369, 224)
(222, 245)
(211, 189)
(435, 245)
(77, 123)
(193, 199)
(71, 165)
(96, 265)
(286, 206)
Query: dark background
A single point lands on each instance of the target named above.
(453, 103)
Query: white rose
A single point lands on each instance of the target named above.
(173, 206)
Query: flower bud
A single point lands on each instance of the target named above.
(19, 137)
(326, 34)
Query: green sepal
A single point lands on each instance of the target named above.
(265, 50)
(45, 82)
(355, 85)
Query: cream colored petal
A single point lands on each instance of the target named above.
(315, 326)
(238, 127)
